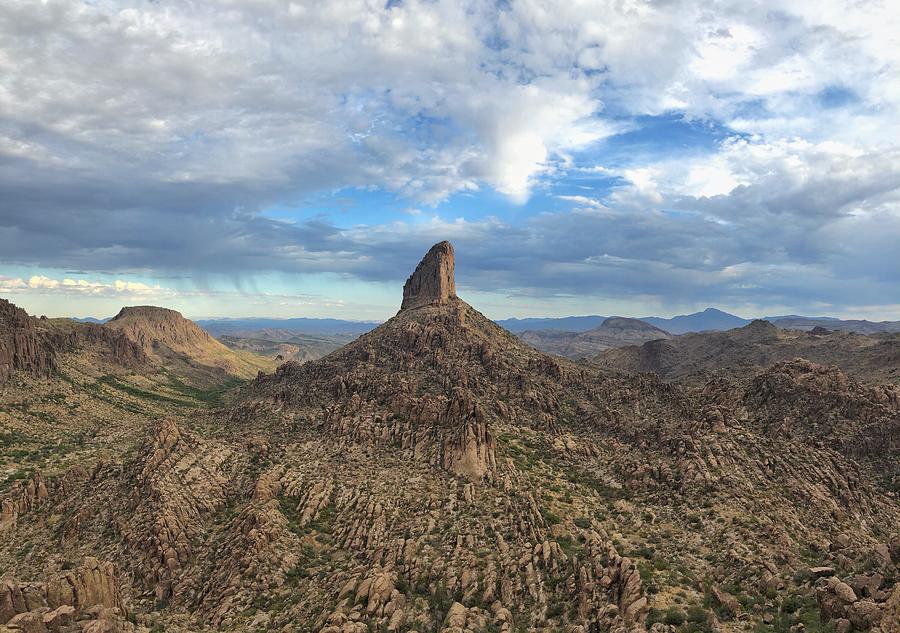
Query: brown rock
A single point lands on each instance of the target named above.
(92, 583)
(881, 556)
(58, 618)
(895, 550)
(890, 617)
(12, 602)
(844, 591)
(866, 585)
(29, 622)
(23, 346)
(456, 616)
(471, 452)
(841, 541)
(433, 280)
(865, 614)
(728, 602)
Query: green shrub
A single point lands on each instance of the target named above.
(696, 614)
(583, 522)
(791, 604)
(550, 517)
(555, 610)
(674, 616)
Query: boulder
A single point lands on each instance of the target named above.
(864, 614)
(890, 616)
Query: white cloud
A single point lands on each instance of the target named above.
(148, 136)
(8, 284)
(426, 98)
(190, 87)
(84, 287)
(40, 281)
(584, 201)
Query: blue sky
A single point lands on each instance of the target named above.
(282, 158)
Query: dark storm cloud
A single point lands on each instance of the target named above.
(778, 241)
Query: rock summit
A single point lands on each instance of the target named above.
(432, 282)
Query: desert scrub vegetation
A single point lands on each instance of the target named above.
(141, 394)
(212, 397)
(796, 610)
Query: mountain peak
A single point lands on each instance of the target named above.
(151, 326)
(147, 312)
(432, 282)
(166, 336)
(627, 323)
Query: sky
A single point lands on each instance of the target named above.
(297, 158)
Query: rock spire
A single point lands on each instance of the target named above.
(432, 282)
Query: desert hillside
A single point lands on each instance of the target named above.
(280, 345)
(612, 332)
(169, 338)
(742, 352)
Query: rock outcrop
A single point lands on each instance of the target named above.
(77, 594)
(114, 346)
(24, 496)
(433, 281)
(740, 353)
(34, 346)
(22, 346)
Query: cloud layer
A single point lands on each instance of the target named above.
(153, 137)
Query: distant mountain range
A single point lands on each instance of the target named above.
(90, 319)
(218, 327)
(613, 332)
(564, 324)
(710, 319)
(860, 326)
(745, 351)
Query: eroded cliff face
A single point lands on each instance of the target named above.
(34, 346)
(85, 598)
(433, 282)
(22, 345)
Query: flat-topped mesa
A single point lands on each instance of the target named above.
(432, 282)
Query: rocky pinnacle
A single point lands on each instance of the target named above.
(432, 282)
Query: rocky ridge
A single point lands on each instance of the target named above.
(613, 332)
(83, 599)
(744, 351)
(22, 348)
(34, 346)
